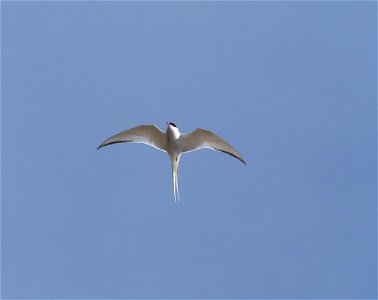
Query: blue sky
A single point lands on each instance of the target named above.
(292, 85)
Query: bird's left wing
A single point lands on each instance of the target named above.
(146, 134)
(202, 138)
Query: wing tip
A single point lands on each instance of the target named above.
(233, 155)
(111, 143)
(240, 158)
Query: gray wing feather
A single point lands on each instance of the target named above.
(146, 134)
(202, 138)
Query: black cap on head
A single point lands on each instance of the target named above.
(173, 124)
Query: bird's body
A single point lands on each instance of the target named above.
(174, 149)
(174, 143)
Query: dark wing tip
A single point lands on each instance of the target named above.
(233, 155)
(111, 143)
(239, 158)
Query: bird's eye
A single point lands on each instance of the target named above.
(173, 124)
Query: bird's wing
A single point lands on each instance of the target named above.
(202, 138)
(146, 134)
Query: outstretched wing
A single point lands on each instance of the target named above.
(202, 138)
(146, 134)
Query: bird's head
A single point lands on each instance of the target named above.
(171, 124)
(173, 128)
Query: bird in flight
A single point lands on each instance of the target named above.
(174, 143)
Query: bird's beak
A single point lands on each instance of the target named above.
(167, 123)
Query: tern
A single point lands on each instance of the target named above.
(174, 143)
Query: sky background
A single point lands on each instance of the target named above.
(292, 85)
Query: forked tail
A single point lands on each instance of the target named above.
(176, 191)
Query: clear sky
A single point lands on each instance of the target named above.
(292, 85)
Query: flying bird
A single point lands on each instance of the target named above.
(174, 143)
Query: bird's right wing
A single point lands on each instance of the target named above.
(202, 138)
(146, 134)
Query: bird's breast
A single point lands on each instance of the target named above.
(174, 144)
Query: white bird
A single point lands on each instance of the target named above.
(174, 143)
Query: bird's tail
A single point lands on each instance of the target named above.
(176, 191)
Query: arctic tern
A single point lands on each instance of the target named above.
(174, 143)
